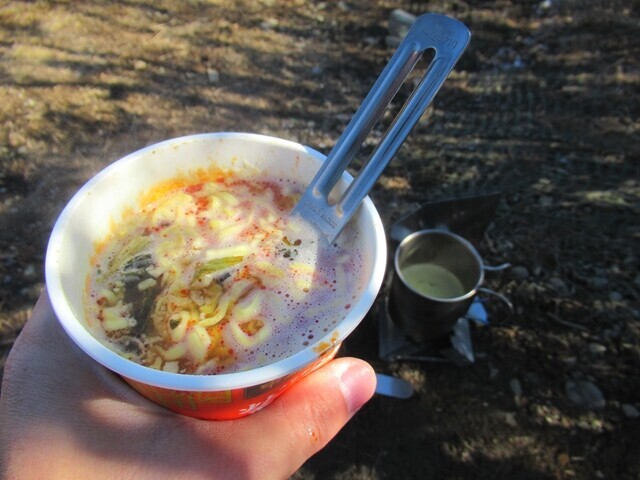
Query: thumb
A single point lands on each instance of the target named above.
(308, 415)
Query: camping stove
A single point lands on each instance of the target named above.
(467, 217)
(455, 347)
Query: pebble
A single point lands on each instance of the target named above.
(518, 63)
(630, 411)
(615, 296)
(545, 4)
(597, 349)
(516, 387)
(29, 271)
(599, 282)
(32, 292)
(610, 333)
(559, 285)
(400, 22)
(519, 272)
(585, 394)
(268, 24)
(510, 419)
(213, 75)
(140, 65)
(546, 201)
(391, 41)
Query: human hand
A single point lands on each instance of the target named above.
(62, 415)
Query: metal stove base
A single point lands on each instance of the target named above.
(457, 347)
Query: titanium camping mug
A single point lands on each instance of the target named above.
(437, 275)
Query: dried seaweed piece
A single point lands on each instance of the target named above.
(139, 292)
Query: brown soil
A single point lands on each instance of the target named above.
(540, 108)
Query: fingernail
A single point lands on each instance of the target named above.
(357, 382)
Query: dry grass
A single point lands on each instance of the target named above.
(543, 106)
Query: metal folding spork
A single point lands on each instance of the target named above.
(448, 37)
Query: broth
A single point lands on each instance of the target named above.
(211, 275)
(433, 280)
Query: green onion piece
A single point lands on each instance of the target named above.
(136, 245)
(216, 265)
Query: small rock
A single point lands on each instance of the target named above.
(585, 394)
(140, 65)
(213, 76)
(400, 22)
(599, 282)
(391, 41)
(510, 419)
(29, 271)
(546, 201)
(519, 272)
(608, 334)
(516, 387)
(615, 296)
(559, 286)
(32, 292)
(630, 411)
(538, 271)
(518, 63)
(269, 24)
(597, 349)
(543, 7)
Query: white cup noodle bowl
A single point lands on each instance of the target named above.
(86, 219)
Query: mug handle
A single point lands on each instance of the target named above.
(501, 296)
(496, 268)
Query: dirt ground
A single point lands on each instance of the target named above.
(542, 108)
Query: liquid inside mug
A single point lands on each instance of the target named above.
(437, 274)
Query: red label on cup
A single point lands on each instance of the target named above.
(226, 404)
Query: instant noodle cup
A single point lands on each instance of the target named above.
(90, 214)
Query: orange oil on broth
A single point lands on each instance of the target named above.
(209, 274)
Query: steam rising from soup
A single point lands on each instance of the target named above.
(211, 275)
